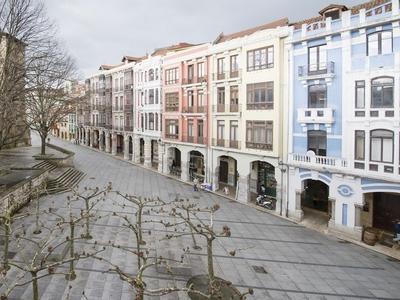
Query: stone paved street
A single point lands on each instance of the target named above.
(299, 263)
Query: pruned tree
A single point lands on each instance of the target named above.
(24, 30)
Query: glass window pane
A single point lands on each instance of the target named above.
(386, 42)
(373, 48)
(376, 149)
(387, 151)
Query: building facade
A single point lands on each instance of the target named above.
(344, 117)
(247, 92)
(186, 112)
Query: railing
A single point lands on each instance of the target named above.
(262, 105)
(315, 115)
(118, 128)
(193, 139)
(234, 74)
(128, 128)
(108, 126)
(194, 109)
(129, 86)
(227, 108)
(317, 69)
(259, 146)
(316, 25)
(172, 136)
(384, 8)
(128, 107)
(234, 144)
(172, 108)
(318, 160)
(194, 80)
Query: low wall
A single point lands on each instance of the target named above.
(20, 194)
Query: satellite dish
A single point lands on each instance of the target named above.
(310, 153)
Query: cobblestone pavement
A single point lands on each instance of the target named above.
(297, 263)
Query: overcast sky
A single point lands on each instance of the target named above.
(102, 31)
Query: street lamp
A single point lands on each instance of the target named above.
(282, 168)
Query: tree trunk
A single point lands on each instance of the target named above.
(71, 275)
(139, 294)
(7, 229)
(35, 287)
(43, 145)
(210, 262)
(87, 219)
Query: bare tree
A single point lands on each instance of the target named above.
(24, 28)
(47, 99)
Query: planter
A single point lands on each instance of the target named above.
(370, 236)
(201, 283)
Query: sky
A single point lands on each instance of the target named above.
(99, 32)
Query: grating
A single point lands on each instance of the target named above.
(260, 269)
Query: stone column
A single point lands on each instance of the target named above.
(331, 222)
(108, 150)
(126, 147)
(114, 143)
(298, 213)
(184, 170)
(147, 152)
(91, 144)
(243, 194)
(101, 141)
(87, 138)
(160, 157)
(95, 139)
(136, 150)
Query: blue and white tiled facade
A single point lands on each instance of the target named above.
(344, 111)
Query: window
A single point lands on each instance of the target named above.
(200, 128)
(220, 129)
(316, 140)
(172, 129)
(151, 75)
(234, 66)
(233, 134)
(151, 121)
(172, 101)
(259, 135)
(317, 59)
(151, 96)
(360, 94)
(260, 95)
(171, 76)
(379, 43)
(156, 121)
(190, 128)
(382, 92)
(200, 99)
(221, 96)
(156, 96)
(359, 153)
(200, 71)
(259, 59)
(190, 99)
(157, 74)
(317, 96)
(220, 69)
(121, 84)
(234, 98)
(190, 73)
(381, 146)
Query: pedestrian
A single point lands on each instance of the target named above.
(196, 184)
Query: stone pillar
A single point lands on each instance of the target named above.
(147, 152)
(108, 150)
(95, 139)
(331, 222)
(136, 150)
(357, 218)
(87, 137)
(114, 143)
(184, 170)
(101, 141)
(160, 157)
(215, 177)
(126, 147)
(298, 213)
(91, 144)
(243, 194)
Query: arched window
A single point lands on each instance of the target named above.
(381, 146)
(382, 92)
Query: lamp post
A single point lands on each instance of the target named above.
(282, 168)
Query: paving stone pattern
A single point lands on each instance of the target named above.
(279, 260)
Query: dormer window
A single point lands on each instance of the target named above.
(333, 11)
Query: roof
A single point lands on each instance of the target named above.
(176, 47)
(278, 23)
(354, 10)
(131, 58)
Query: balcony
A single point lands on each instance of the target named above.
(194, 110)
(315, 116)
(128, 87)
(128, 128)
(228, 75)
(128, 107)
(227, 108)
(118, 128)
(194, 140)
(172, 109)
(226, 143)
(260, 106)
(172, 136)
(194, 80)
(317, 71)
(259, 146)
